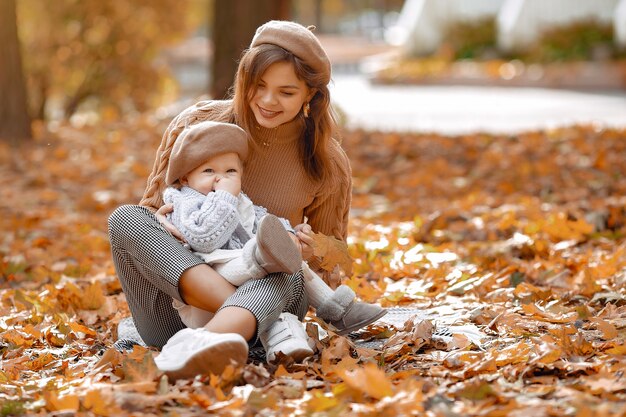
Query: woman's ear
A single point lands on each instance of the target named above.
(311, 94)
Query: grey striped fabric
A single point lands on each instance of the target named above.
(149, 262)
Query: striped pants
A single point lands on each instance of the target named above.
(149, 263)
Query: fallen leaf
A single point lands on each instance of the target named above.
(368, 379)
(333, 252)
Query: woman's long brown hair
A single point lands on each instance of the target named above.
(319, 126)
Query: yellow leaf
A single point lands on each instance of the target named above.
(560, 227)
(332, 252)
(370, 380)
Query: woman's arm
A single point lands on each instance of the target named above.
(217, 110)
(330, 210)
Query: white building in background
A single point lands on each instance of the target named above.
(619, 23)
(520, 22)
(423, 23)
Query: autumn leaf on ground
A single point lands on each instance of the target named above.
(523, 236)
(332, 252)
(139, 365)
(57, 402)
(368, 379)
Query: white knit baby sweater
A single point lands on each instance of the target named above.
(212, 221)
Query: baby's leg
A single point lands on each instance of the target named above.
(339, 307)
(316, 288)
(191, 316)
(242, 268)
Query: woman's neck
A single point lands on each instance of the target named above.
(285, 133)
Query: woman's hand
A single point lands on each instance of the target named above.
(167, 225)
(304, 233)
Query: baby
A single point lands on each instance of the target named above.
(220, 224)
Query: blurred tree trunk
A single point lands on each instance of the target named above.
(14, 119)
(318, 15)
(235, 22)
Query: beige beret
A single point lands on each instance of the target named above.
(296, 39)
(200, 142)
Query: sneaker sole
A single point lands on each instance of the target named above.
(274, 241)
(362, 324)
(212, 359)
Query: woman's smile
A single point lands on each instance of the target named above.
(268, 114)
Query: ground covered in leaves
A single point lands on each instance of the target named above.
(522, 236)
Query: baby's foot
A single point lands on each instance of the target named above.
(275, 251)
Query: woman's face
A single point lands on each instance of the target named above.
(279, 96)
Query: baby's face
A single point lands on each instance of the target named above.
(226, 167)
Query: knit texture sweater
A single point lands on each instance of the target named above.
(274, 176)
(213, 221)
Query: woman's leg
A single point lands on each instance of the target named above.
(233, 320)
(264, 300)
(153, 267)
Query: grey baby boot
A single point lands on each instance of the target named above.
(275, 251)
(346, 314)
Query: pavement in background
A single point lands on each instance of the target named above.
(469, 109)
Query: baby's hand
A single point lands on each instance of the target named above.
(304, 233)
(231, 185)
(297, 242)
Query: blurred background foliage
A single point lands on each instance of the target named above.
(587, 40)
(75, 51)
(472, 39)
(110, 56)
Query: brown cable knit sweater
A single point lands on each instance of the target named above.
(273, 176)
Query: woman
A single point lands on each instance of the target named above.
(295, 170)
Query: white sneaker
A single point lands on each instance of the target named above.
(287, 336)
(192, 352)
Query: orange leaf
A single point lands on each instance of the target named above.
(608, 330)
(16, 338)
(617, 350)
(321, 401)
(139, 366)
(370, 380)
(332, 252)
(93, 297)
(99, 404)
(54, 402)
(41, 361)
(79, 328)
